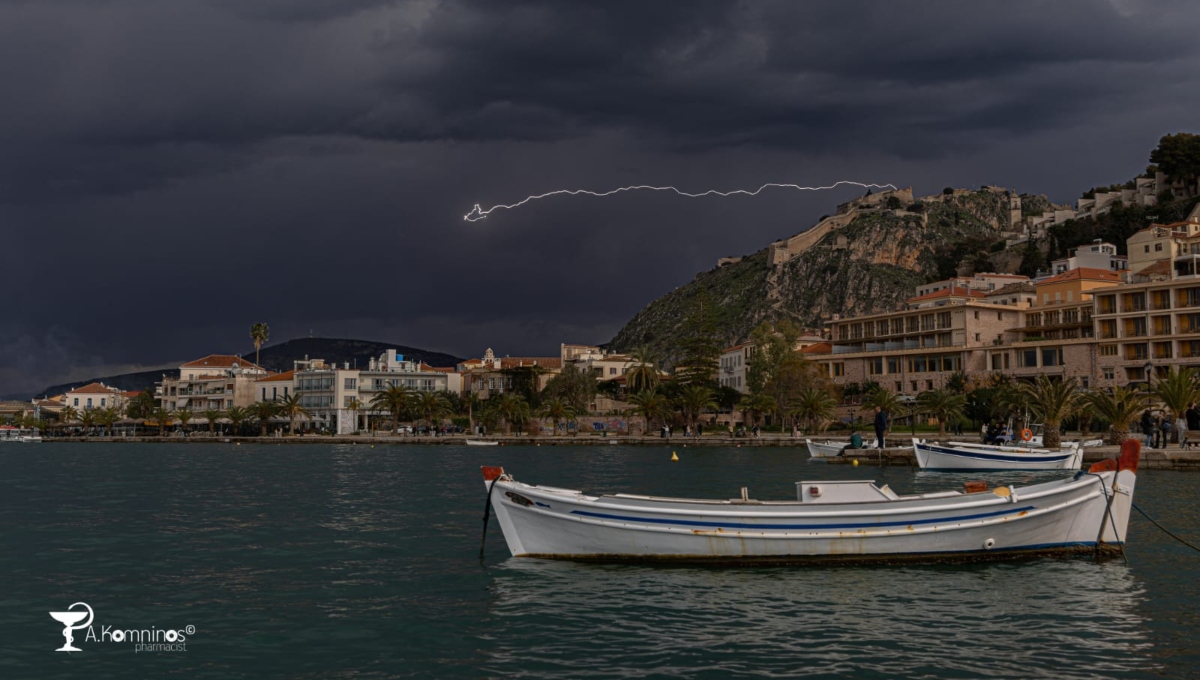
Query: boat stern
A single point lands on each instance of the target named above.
(1119, 485)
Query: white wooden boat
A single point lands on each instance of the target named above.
(829, 521)
(830, 449)
(481, 442)
(964, 456)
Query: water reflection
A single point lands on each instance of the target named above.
(1031, 619)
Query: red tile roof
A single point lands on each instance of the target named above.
(953, 291)
(278, 377)
(1086, 273)
(94, 388)
(541, 362)
(735, 348)
(220, 361)
(818, 348)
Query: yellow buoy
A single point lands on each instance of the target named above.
(674, 457)
(854, 462)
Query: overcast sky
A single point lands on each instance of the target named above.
(173, 171)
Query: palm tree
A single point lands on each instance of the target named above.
(259, 333)
(291, 407)
(184, 416)
(1053, 401)
(472, 401)
(393, 400)
(357, 406)
(557, 410)
(756, 406)
(1084, 412)
(1119, 408)
(1012, 401)
(886, 400)
(694, 400)
(161, 417)
(815, 406)
(212, 415)
(68, 415)
(512, 408)
(432, 406)
(1177, 389)
(237, 415)
(87, 419)
(106, 417)
(263, 412)
(942, 404)
(651, 406)
(643, 376)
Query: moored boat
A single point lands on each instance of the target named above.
(830, 521)
(481, 442)
(829, 449)
(978, 457)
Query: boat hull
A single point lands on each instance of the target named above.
(980, 458)
(1064, 516)
(824, 449)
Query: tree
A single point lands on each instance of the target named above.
(263, 412)
(432, 406)
(957, 382)
(291, 407)
(259, 333)
(893, 203)
(982, 262)
(815, 406)
(651, 406)
(944, 405)
(184, 416)
(237, 415)
(394, 400)
(212, 415)
(1120, 407)
(576, 387)
(68, 415)
(755, 406)
(887, 401)
(1032, 259)
(694, 400)
(107, 417)
(699, 343)
(357, 406)
(87, 419)
(1178, 156)
(141, 405)
(1053, 401)
(644, 374)
(513, 409)
(557, 409)
(161, 417)
(525, 381)
(1176, 389)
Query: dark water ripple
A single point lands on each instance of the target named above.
(360, 563)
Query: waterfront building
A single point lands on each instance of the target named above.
(734, 366)
(1163, 242)
(1145, 329)
(596, 361)
(1019, 294)
(275, 387)
(93, 396)
(493, 375)
(985, 282)
(217, 381)
(330, 392)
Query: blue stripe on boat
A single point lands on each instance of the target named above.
(996, 456)
(739, 525)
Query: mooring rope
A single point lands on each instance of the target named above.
(1164, 529)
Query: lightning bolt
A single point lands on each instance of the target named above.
(477, 213)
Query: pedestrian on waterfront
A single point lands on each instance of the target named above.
(700, 430)
(1193, 417)
(1181, 427)
(881, 421)
(855, 440)
(1167, 426)
(1148, 428)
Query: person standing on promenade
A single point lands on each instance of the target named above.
(881, 418)
(1148, 428)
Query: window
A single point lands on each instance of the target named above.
(1158, 247)
(351, 383)
(916, 364)
(914, 385)
(893, 364)
(977, 314)
(1108, 374)
(102, 401)
(89, 402)
(612, 370)
(1070, 296)
(1051, 356)
(77, 401)
(839, 369)
(1106, 304)
(1146, 248)
(1027, 358)
(1108, 350)
(929, 384)
(1000, 316)
(976, 337)
(899, 386)
(875, 365)
(1108, 329)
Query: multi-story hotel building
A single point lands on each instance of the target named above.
(217, 382)
(1146, 328)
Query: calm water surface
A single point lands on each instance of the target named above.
(360, 562)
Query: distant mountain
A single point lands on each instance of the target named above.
(278, 358)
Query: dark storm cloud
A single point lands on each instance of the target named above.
(172, 171)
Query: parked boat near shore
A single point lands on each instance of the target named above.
(481, 442)
(829, 449)
(979, 457)
(830, 521)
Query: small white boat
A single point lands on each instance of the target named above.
(977, 457)
(834, 521)
(481, 442)
(830, 449)
(30, 439)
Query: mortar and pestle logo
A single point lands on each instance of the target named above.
(70, 620)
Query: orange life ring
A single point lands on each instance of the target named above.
(1026, 434)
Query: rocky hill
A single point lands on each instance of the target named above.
(870, 265)
(278, 358)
